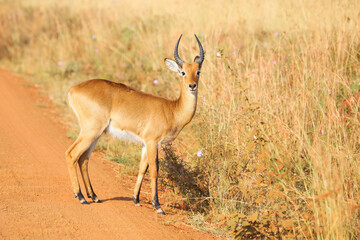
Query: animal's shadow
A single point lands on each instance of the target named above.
(127, 199)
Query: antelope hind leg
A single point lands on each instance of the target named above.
(84, 166)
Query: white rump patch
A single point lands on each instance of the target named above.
(124, 134)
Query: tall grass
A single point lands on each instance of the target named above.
(273, 153)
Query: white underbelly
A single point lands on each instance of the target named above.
(124, 134)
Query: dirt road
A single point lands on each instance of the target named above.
(36, 200)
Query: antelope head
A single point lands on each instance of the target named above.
(190, 73)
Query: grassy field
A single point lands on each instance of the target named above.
(273, 150)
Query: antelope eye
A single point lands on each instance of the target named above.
(197, 72)
(183, 73)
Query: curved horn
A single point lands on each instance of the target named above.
(202, 55)
(176, 54)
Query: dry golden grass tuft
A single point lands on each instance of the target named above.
(273, 150)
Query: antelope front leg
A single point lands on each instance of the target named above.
(152, 153)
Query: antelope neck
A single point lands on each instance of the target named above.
(185, 105)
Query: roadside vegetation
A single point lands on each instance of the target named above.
(273, 149)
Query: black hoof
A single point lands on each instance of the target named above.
(160, 211)
(136, 201)
(81, 198)
(95, 199)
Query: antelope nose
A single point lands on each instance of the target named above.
(192, 86)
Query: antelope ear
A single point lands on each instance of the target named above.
(196, 60)
(173, 66)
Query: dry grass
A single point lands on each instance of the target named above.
(279, 149)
